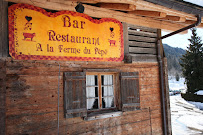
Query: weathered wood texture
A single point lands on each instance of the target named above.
(75, 94)
(140, 44)
(2, 96)
(167, 102)
(104, 13)
(3, 29)
(165, 83)
(130, 90)
(31, 100)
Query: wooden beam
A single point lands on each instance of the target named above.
(118, 6)
(97, 1)
(143, 5)
(192, 22)
(148, 13)
(174, 18)
(140, 5)
(105, 13)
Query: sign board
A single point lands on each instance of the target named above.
(35, 34)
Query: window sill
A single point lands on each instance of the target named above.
(103, 115)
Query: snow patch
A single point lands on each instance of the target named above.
(199, 105)
(192, 121)
(200, 92)
(186, 118)
(177, 85)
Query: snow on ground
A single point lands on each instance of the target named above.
(200, 92)
(176, 85)
(186, 116)
(186, 119)
(199, 105)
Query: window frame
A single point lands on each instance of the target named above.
(126, 86)
(115, 89)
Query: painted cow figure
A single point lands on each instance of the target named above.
(28, 35)
(112, 42)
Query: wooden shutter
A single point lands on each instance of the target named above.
(75, 94)
(139, 43)
(130, 91)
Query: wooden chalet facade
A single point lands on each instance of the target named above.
(89, 96)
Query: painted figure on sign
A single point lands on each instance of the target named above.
(28, 25)
(28, 35)
(112, 34)
(112, 42)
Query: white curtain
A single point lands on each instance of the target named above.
(108, 91)
(90, 91)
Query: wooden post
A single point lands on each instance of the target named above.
(2, 97)
(3, 53)
(127, 57)
(3, 29)
(166, 87)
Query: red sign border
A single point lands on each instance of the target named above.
(11, 15)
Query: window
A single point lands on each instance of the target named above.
(100, 91)
(88, 93)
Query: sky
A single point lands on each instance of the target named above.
(181, 40)
(197, 2)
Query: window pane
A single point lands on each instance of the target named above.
(95, 80)
(91, 80)
(107, 91)
(92, 104)
(107, 102)
(102, 91)
(92, 92)
(108, 80)
(96, 91)
(102, 79)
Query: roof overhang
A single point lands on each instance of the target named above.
(168, 15)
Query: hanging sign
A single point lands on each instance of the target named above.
(35, 34)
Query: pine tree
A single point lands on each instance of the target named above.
(192, 64)
(177, 77)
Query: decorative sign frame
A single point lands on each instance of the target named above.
(35, 34)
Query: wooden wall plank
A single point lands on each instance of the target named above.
(142, 33)
(143, 58)
(37, 102)
(2, 97)
(4, 29)
(142, 39)
(138, 50)
(126, 119)
(1, 28)
(141, 44)
(147, 29)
